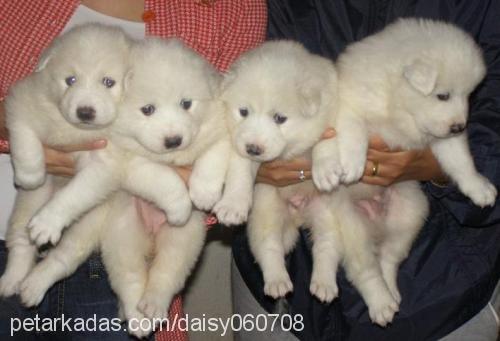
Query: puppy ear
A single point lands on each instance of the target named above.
(127, 79)
(44, 60)
(421, 75)
(309, 97)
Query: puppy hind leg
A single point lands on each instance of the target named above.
(61, 261)
(177, 250)
(327, 251)
(124, 247)
(267, 237)
(362, 267)
(22, 253)
(406, 213)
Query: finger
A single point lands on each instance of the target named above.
(54, 158)
(97, 144)
(369, 168)
(61, 171)
(377, 143)
(289, 165)
(328, 133)
(375, 180)
(382, 156)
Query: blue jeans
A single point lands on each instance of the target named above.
(85, 295)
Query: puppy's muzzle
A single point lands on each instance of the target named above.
(254, 150)
(173, 142)
(85, 114)
(457, 128)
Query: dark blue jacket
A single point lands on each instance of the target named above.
(455, 262)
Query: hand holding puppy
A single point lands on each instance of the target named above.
(393, 166)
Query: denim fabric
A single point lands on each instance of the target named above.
(85, 294)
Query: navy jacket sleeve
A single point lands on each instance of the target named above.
(483, 127)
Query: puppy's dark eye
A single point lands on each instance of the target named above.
(70, 80)
(243, 112)
(108, 82)
(279, 118)
(186, 103)
(443, 97)
(148, 109)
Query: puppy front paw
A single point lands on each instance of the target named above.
(179, 212)
(326, 174)
(231, 212)
(32, 290)
(353, 166)
(29, 179)
(480, 190)
(204, 194)
(45, 227)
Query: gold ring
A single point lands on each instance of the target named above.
(375, 169)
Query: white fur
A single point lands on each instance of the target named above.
(389, 83)
(282, 77)
(42, 109)
(388, 86)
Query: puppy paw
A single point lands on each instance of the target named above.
(326, 174)
(32, 290)
(179, 212)
(325, 291)
(9, 285)
(278, 285)
(353, 166)
(153, 307)
(29, 180)
(382, 309)
(231, 212)
(481, 191)
(204, 195)
(45, 227)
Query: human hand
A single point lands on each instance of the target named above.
(281, 173)
(184, 172)
(58, 160)
(397, 165)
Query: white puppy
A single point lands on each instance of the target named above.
(71, 98)
(279, 99)
(170, 115)
(408, 84)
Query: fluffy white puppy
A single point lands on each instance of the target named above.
(279, 98)
(408, 84)
(169, 115)
(71, 98)
(157, 125)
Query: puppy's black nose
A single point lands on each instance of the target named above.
(173, 142)
(85, 114)
(457, 128)
(254, 150)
